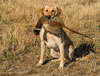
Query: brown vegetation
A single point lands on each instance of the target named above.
(20, 49)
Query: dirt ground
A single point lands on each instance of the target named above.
(20, 48)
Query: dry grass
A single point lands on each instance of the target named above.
(20, 48)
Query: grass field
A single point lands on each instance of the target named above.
(20, 48)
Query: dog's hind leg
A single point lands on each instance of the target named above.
(71, 52)
(54, 54)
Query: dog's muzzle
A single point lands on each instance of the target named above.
(48, 16)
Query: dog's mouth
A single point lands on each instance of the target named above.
(48, 16)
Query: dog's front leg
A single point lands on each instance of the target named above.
(61, 47)
(43, 46)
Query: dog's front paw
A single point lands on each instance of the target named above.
(39, 64)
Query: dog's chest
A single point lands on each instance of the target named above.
(51, 40)
(51, 44)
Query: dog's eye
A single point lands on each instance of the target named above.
(46, 10)
(52, 10)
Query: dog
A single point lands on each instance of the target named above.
(53, 36)
(50, 27)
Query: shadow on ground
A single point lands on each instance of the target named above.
(84, 49)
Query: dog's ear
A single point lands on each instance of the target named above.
(58, 11)
(42, 11)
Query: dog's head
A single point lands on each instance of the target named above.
(51, 11)
(47, 13)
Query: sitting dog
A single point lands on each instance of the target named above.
(50, 27)
(53, 36)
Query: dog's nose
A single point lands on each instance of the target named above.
(49, 16)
